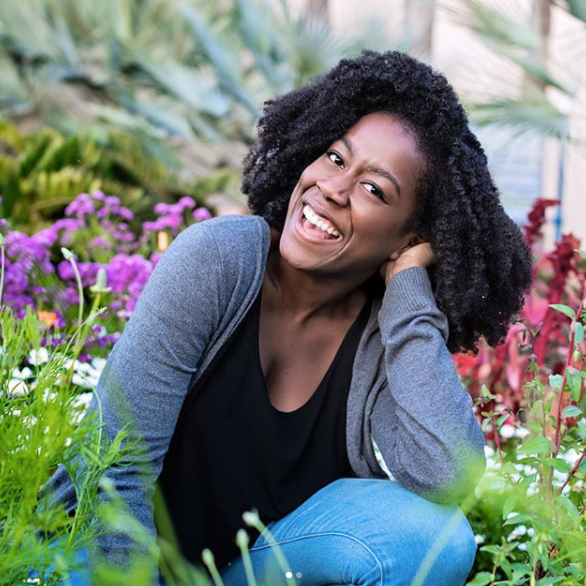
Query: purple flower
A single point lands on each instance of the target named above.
(126, 214)
(162, 208)
(81, 206)
(88, 272)
(186, 202)
(201, 214)
(127, 276)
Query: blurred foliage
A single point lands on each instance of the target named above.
(542, 98)
(42, 172)
(195, 69)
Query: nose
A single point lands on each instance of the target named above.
(335, 188)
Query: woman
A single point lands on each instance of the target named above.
(268, 351)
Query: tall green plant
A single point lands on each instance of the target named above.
(539, 479)
(41, 425)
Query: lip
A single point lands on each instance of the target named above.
(309, 236)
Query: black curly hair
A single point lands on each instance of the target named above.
(483, 266)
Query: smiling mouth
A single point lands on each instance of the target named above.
(318, 225)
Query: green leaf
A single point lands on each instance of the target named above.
(520, 518)
(509, 505)
(559, 464)
(582, 430)
(481, 579)
(526, 483)
(571, 508)
(537, 407)
(509, 468)
(565, 309)
(573, 382)
(582, 467)
(550, 580)
(484, 392)
(536, 445)
(555, 381)
(571, 411)
(579, 335)
(582, 253)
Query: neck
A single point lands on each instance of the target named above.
(305, 296)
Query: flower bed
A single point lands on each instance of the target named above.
(71, 287)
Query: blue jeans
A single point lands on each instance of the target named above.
(363, 532)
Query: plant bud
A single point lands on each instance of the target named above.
(250, 518)
(208, 557)
(67, 254)
(242, 539)
(101, 285)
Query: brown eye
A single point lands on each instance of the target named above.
(335, 158)
(375, 190)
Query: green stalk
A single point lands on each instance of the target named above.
(208, 559)
(252, 519)
(242, 542)
(1, 268)
(69, 256)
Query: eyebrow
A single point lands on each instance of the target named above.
(373, 168)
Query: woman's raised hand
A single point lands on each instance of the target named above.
(416, 255)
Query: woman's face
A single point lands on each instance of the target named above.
(348, 211)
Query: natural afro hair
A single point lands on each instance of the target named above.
(482, 266)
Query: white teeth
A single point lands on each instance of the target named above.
(318, 222)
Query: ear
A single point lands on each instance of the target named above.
(411, 241)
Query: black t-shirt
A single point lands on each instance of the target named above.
(232, 451)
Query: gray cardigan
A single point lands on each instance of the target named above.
(404, 392)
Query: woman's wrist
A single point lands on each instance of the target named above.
(396, 268)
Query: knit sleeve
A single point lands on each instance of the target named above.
(147, 376)
(423, 421)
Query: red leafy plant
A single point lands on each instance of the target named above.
(540, 337)
(528, 392)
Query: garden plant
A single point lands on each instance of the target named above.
(62, 314)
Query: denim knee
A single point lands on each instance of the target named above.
(461, 549)
(450, 552)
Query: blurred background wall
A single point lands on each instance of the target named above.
(154, 99)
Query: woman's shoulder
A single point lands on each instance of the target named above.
(230, 232)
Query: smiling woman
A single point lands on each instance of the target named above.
(269, 353)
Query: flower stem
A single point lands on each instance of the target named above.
(558, 420)
(2, 263)
(572, 472)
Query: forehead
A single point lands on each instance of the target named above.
(383, 128)
(384, 140)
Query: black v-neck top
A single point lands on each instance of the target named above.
(232, 451)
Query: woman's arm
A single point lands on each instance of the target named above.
(148, 374)
(423, 422)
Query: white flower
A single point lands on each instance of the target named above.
(479, 539)
(38, 356)
(17, 387)
(517, 532)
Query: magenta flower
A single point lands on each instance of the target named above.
(201, 214)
